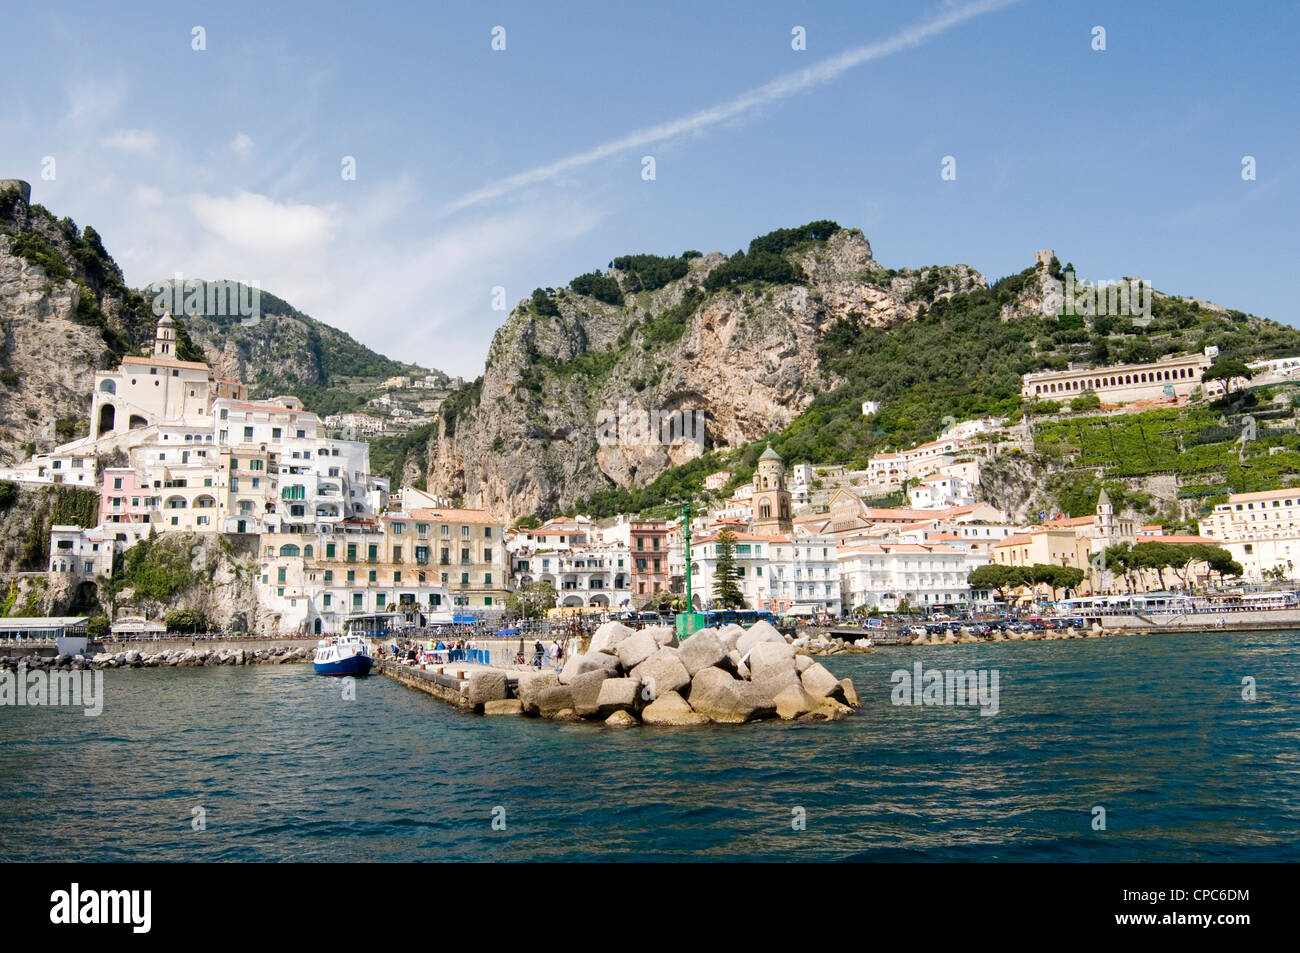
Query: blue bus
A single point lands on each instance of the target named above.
(717, 618)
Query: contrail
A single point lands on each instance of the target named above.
(780, 88)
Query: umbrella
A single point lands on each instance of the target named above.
(508, 632)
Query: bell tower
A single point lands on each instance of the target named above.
(771, 499)
(164, 340)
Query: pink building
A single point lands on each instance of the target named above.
(123, 499)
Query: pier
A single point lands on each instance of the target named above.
(628, 677)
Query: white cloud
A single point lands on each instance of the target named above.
(780, 88)
(242, 144)
(255, 223)
(136, 142)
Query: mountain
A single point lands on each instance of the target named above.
(281, 350)
(783, 341)
(65, 312)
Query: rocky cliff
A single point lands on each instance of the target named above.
(534, 435)
(64, 313)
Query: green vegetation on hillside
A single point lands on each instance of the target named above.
(1199, 443)
(157, 568)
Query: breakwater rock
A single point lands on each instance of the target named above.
(828, 643)
(628, 677)
(168, 658)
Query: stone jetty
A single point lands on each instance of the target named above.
(168, 658)
(629, 677)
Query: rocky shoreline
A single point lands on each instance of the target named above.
(628, 677)
(168, 658)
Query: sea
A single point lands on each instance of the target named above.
(1181, 747)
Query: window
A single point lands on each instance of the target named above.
(464, 579)
(275, 433)
(117, 483)
(487, 579)
(487, 532)
(248, 433)
(487, 554)
(464, 532)
(374, 575)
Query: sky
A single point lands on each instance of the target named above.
(479, 168)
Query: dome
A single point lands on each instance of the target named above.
(770, 454)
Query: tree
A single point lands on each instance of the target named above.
(97, 627)
(997, 577)
(1228, 369)
(726, 591)
(186, 620)
(1119, 558)
(531, 602)
(1067, 577)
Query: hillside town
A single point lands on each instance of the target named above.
(190, 452)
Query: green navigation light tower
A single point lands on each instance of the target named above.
(686, 530)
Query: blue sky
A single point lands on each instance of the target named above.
(518, 168)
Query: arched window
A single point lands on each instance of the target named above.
(308, 551)
(107, 386)
(289, 549)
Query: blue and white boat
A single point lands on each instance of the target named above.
(342, 655)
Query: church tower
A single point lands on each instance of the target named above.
(164, 340)
(771, 499)
(1105, 518)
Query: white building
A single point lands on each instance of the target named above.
(924, 575)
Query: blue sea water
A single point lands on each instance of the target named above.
(1154, 729)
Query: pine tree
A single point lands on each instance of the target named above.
(726, 592)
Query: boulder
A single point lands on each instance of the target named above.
(729, 636)
(618, 694)
(486, 687)
(503, 706)
(792, 701)
(585, 691)
(671, 709)
(621, 719)
(701, 650)
(663, 634)
(531, 685)
(636, 648)
(774, 679)
(801, 662)
(850, 693)
(828, 709)
(662, 672)
(771, 657)
(725, 699)
(758, 632)
(608, 636)
(552, 701)
(820, 683)
(591, 662)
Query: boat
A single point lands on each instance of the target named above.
(342, 655)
